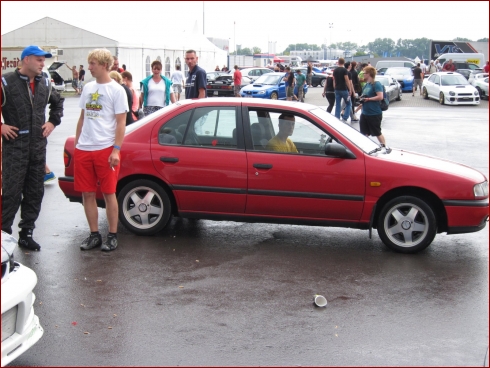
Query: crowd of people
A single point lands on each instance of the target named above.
(108, 104)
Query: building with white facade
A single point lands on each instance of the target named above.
(72, 44)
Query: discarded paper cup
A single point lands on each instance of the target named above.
(320, 301)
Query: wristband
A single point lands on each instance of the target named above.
(117, 147)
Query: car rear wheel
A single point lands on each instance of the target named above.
(399, 97)
(441, 98)
(407, 224)
(322, 83)
(274, 96)
(480, 92)
(144, 207)
(425, 93)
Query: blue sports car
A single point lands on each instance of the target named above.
(404, 76)
(269, 85)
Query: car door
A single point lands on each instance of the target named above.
(200, 154)
(429, 85)
(435, 87)
(305, 184)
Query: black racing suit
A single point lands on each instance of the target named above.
(24, 157)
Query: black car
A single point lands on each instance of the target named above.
(223, 85)
(211, 76)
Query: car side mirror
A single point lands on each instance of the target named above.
(281, 84)
(392, 84)
(337, 150)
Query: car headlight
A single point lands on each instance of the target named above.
(261, 93)
(476, 93)
(481, 190)
(451, 93)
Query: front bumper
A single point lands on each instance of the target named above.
(463, 217)
(21, 329)
(462, 100)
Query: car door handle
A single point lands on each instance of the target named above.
(169, 159)
(263, 166)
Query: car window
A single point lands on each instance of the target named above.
(473, 66)
(269, 79)
(432, 78)
(265, 71)
(486, 80)
(407, 65)
(212, 127)
(437, 79)
(384, 81)
(452, 80)
(173, 131)
(304, 138)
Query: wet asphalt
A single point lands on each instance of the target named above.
(204, 293)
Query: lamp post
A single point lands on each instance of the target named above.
(330, 25)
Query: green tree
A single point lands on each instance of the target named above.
(245, 51)
(462, 39)
(482, 39)
(301, 47)
(256, 50)
(380, 45)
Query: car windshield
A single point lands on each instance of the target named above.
(453, 80)
(402, 71)
(383, 81)
(353, 135)
(269, 79)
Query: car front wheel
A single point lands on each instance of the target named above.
(144, 207)
(274, 96)
(425, 93)
(441, 98)
(322, 83)
(407, 224)
(399, 97)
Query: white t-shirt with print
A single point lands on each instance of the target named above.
(101, 103)
(156, 93)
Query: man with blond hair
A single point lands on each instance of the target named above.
(98, 140)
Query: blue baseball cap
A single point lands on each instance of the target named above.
(34, 50)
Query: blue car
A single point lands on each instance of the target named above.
(269, 85)
(404, 76)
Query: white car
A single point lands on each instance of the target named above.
(254, 73)
(20, 326)
(450, 88)
(57, 80)
(480, 82)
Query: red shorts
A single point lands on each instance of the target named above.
(92, 168)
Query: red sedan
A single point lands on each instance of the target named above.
(270, 161)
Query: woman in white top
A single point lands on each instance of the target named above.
(177, 79)
(156, 92)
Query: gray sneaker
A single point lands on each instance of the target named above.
(94, 240)
(109, 244)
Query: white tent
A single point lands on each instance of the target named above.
(136, 51)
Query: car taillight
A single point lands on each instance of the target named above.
(66, 158)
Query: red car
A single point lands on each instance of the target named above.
(211, 159)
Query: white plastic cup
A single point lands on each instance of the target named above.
(320, 301)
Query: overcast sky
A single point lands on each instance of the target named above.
(260, 22)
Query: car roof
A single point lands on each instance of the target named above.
(246, 102)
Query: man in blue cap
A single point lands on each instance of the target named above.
(25, 94)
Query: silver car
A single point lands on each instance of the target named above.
(392, 87)
(254, 73)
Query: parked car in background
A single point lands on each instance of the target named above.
(476, 74)
(20, 326)
(403, 75)
(394, 64)
(269, 86)
(224, 86)
(221, 167)
(450, 88)
(317, 79)
(211, 76)
(56, 79)
(254, 73)
(392, 87)
(464, 68)
(480, 82)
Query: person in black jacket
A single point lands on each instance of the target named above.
(119, 79)
(25, 94)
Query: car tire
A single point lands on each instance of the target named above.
(323, 81)
(425, 93)
(480, 92)
(314, 85)
(407, 224)
(274, 96)
(441, 98)
(144, 207)
(399, 97)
